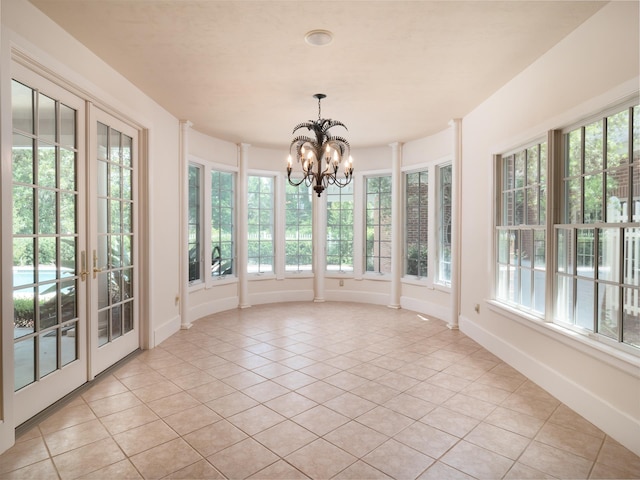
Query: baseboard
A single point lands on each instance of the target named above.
(343, 295)
(615, 423)
(214, 306)
(165, 330)
(281, 296)
(428, 308)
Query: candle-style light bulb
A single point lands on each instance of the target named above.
(289, 162)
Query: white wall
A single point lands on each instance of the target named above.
(593, 67)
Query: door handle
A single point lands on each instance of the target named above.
(95, 264)
(83, 266)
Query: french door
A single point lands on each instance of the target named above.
(113, 232)
(73, 242)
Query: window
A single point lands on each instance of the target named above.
(521, 228)
(417, 225)
(595, 229)
(260, 204)
(222, 210)
(298, 229)
(444, 225)
(378, 224)
(195, 240)
(340, 228)
(598, 239)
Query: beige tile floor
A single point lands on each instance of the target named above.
(288, 391)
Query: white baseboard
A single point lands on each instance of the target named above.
(615, 423)
(165, 330)
(428, 308)
(357, 297)
(214, 306)
(282, 296)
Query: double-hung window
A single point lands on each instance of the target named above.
(298, 242)
(339, 228)
(598, 239)
(417, 224)
(521, 228)
(378, 224)
(593, 223)
(260, 203)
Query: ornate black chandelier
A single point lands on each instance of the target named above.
(320, 156)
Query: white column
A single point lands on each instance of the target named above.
(456, 197)
(185, 126)
(396, 224)
(319, 245)
(243, 228)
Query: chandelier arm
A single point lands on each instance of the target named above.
(294, 183)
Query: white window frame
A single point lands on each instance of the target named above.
(198, 282)
(341, 273)
(438, 278)
(211, 280)
(415, 279)
(522, 226)
(277, 211)
(281, 253)
(373, 274)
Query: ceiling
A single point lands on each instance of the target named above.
(395, 70)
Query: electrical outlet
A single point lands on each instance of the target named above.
(341, 283)
(477, 308)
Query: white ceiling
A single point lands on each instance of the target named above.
(395, 71)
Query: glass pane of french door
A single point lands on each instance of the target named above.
(113, 259)
(45, 235)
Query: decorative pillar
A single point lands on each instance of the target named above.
(396, 224)
(456, 199)
(243, 227)
(185, 126)
(319, 235)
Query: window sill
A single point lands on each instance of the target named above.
(297, 275)
(441, 287)
(195, 287)
(339, 275)
(626, 362)
(422, 282)
(261, 276)
(377, 277)
(218, 281)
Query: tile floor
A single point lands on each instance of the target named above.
(288, 391)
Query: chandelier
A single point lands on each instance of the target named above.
(320, 156)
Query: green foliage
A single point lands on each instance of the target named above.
(23, 312)
(417, 261)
